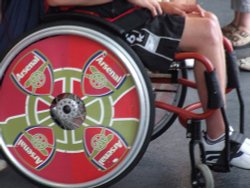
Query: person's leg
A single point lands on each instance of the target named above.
(244, 21)
(236, 6)
(232, 26)
(240, 36)
(236, 19)
(244, 15)
(203, 35)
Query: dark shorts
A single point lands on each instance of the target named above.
(157, 41)
(154, 39)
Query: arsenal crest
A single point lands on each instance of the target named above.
(35, 146)
(102, 75)
(104, 146)
(32, 73)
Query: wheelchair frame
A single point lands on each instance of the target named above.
(188, 118)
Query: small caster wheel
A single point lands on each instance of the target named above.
(202, 177)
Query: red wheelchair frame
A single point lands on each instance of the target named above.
(191, 120)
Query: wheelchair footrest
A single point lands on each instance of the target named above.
(235, 142)
(222, 165)
(219, 168)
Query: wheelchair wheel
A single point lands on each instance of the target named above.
(167, 89)
(78, 107)
(203, 177)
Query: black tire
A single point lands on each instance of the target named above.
(137, 80)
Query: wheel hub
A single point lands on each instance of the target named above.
(68, 111)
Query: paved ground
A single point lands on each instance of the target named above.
(166, 163)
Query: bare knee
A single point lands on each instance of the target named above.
(211, 16)
(214, 18)
(200, 33)
(212, 35)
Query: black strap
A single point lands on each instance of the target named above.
(232, 71)
(215, 99)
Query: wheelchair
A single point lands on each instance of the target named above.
(80, 108)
